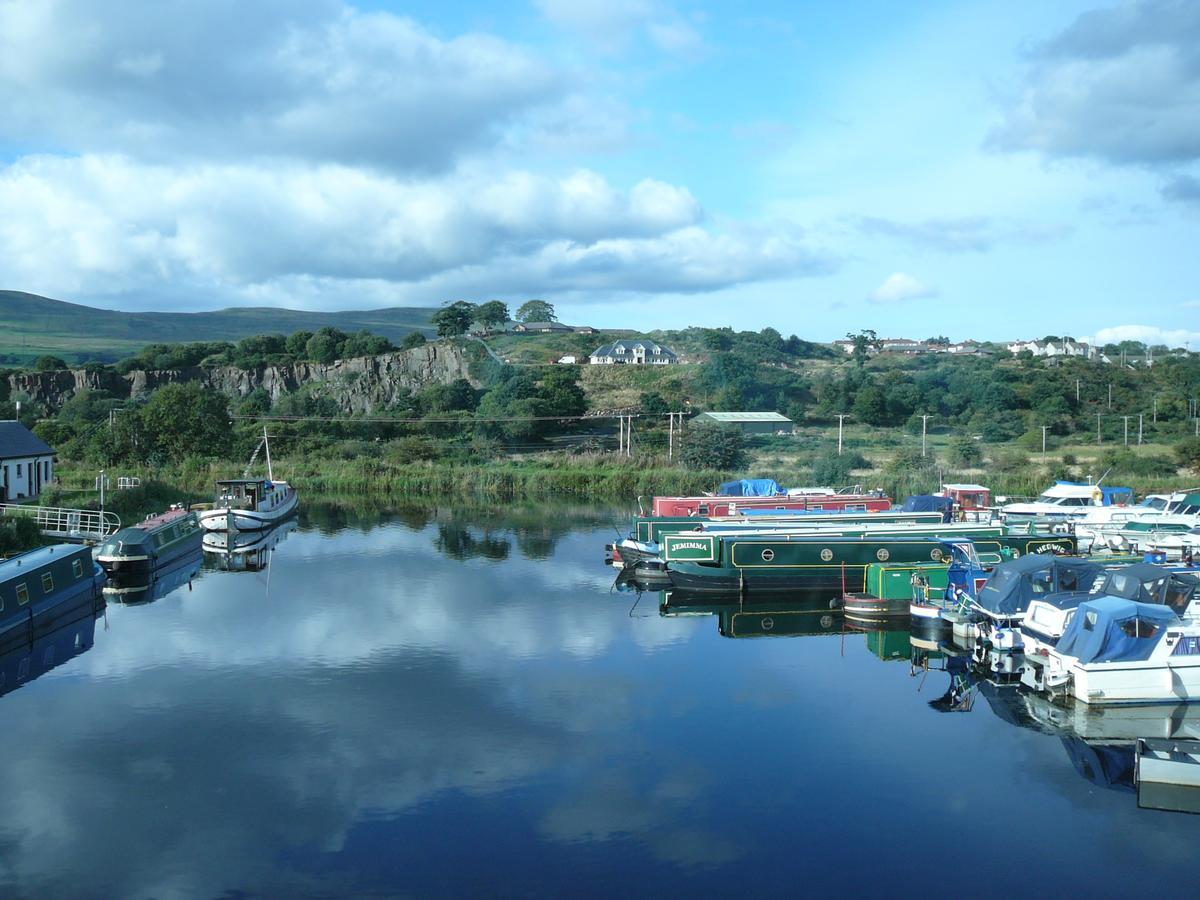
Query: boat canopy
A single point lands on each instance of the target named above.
(1112, 629)
(750, 487)
(929, 503)
(1148, 583)
(1017, 582)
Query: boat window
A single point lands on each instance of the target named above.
(1041, 582)
(47, 582)
(22, 594)
(1068, 581)
(704, 509)
(1139, 628)
(1178, 596)
(77, 568)
(1089, 621)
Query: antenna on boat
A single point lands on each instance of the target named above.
(267, 447)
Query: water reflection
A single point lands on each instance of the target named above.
(23, 662)
(157, 583)
(246, 551)
(390, 718)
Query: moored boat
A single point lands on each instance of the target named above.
(40, 587)
(736, 496)
(250, 504)
(157, 541)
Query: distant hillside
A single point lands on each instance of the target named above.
(31, 326)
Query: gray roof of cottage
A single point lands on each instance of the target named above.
(626, 348)
(543, 326)
(18, 441)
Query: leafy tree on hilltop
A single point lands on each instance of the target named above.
(181, 420)
(864, 342)
(49, 363)
(536, 311)
(413, 340)
(492, 314)
(325, 346)
(454, 319)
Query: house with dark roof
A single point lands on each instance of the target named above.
(551, 328)
(634, 353)
(26, 462)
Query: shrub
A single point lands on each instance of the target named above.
(706, 446)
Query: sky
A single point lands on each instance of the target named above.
(993, 170)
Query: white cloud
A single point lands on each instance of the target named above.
(611, 25)
(109, 225)
(1121, 84)
(1147, 334)
(312, 79)
(899, 287)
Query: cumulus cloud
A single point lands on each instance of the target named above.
(1183, 189)
(96, 225)
(899, 287)
(966, 234)
(312, 79)
(1147, 334)
(1121, 84)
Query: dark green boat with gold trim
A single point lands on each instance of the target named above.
(754, 564)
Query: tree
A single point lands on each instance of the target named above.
(492, 314)
(864, 342)
(454, 319)
(297, 343)
(939, 341)
(1187, 454)
(413, 340)
(711, 446)
(189, 419)
(965, 452)
(326, 345)
(49, 363)
(536, 311)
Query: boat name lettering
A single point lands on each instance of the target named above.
(690, 545)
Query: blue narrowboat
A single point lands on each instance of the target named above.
(162, 539)
(27, 660)
(41, 588)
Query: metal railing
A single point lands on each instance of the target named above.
(69, 524)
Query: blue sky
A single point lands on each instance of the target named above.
(989, 170)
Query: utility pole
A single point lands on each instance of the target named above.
(629, 436)
(1155, 419)
(1110, 396)
(620, 435)
(670, 436)
(1126, 418)
(1076, 391)
(924, 418)
(1139, 429)
(1044, 427)
(1098, 440)
(841, 417)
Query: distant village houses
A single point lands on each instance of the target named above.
(550, 328)
(26, 462)
(1058, 347)
(634, 353)
(910, 347)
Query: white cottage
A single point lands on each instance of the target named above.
(26, 462)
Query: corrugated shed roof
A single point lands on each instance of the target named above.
(748, 417)
(17, 440)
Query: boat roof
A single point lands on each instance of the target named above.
(1075, 489)
(243, 481)
(965, 487)
(163, 518)
(31, 560)
(1100, 632)
(1012, 585)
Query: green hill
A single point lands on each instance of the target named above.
(31, 326)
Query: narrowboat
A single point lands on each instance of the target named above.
(789, 562)
(892, 588)
(39, 588)
(137, 551)
(727, 504)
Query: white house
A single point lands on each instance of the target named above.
(26, 462)
(1065, 347)
(626, 352)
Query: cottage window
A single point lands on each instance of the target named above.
(47, 583)
(18, 470)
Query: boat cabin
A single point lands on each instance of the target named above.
(968, 497)
(1111, 629)
(1016, 583)
(244, 493)
(38, 579)
(1148, 583)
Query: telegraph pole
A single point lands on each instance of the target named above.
(1126, 418)
(840, 418)
(1110, 396)
(924, 418)
(620, 435)
(1044, 427)
(1076, 391)
(1155, 419)
(1139, 429)
(1098, 440)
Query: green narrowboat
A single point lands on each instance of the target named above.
(699, 562)
(650, 529)
(801, 615)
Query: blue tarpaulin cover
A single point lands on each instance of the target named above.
(929, 503)
(1015, 583)
(1109, 495)
(750, 487)
(1110, 629)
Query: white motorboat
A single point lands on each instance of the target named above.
(1067, 501)
(1047, 618)
(1136, 528)
(250, 504)
(1121, 651)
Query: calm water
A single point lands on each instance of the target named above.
(427, 705)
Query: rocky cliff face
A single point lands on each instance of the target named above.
(356, 385)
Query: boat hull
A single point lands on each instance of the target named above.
(225, 519)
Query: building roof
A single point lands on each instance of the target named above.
(17, 440)
(543, 326)
(625, 347)
(748, 417)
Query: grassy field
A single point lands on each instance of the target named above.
(32, 326)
